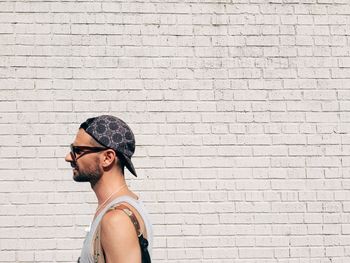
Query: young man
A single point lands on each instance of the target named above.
(120, 230)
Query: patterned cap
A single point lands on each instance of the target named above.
(113, 133)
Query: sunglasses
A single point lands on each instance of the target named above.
(82, 150)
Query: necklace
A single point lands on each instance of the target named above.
(109, 197)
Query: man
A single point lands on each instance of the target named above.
(120, 229)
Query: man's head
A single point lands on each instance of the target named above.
(101, 142)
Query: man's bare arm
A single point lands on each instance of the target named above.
(119, 239)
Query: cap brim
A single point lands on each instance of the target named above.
(129, 165)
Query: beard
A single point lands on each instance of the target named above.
(90, 174)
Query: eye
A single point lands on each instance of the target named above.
(77, 151)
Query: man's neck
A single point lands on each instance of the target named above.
(107, 185)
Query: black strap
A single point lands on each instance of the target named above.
(144, 251)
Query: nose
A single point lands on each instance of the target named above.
(70, 160)
(68, 157)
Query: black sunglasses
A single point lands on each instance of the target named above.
(82, 150)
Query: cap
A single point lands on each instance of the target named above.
(113, 133)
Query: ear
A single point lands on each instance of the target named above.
(108, 158)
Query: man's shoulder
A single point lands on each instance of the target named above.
(115, 219)
(118, 237)
(117, 230)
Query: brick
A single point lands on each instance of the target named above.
(247, 102)
(279, 73)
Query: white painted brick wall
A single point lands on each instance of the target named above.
(240, 110)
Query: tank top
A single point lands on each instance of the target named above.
(87, 250)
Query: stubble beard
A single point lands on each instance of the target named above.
(91, 174)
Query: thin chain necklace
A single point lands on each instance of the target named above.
(109, 197)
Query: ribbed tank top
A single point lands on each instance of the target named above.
(87, 250)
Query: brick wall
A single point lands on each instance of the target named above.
(240, 110)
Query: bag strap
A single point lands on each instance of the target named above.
(99, 256)
(145, 257)
(132, 217)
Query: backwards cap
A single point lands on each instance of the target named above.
(115, 134)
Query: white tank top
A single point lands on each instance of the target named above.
(87, 251)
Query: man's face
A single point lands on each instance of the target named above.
(84, 161)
